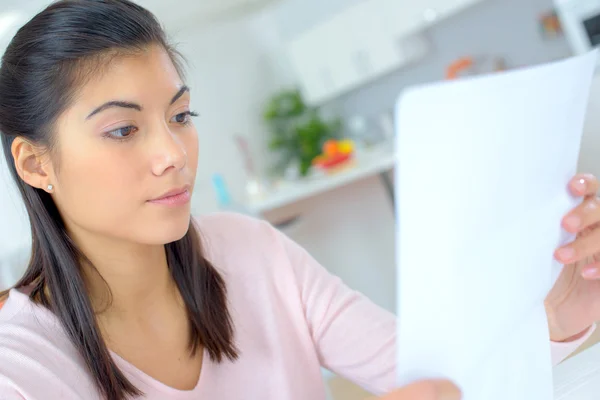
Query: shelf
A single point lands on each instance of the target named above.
(368, 163)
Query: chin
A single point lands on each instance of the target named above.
(168, 229)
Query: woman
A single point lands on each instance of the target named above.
(126, 296)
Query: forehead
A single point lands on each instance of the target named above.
(144, 77)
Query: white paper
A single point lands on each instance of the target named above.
(578, 378)
(482, 171)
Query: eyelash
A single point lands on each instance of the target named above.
(132, 129)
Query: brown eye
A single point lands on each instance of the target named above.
(122, 133)
(183, 118)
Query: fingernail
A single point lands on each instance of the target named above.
(448, 391)
(580, 185)
(590, 273)
(565, 254)
(572, 222)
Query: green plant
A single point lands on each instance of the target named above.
(297, 131)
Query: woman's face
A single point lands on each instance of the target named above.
(124, 148)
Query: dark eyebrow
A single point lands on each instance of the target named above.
(111, 104)
(133, 106)
(180, 93)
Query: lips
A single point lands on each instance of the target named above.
(174, 197)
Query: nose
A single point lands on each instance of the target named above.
(169, 152)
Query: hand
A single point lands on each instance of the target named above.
(573, 305)
(428, 390)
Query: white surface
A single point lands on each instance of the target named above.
(376, 160)
(589, 161)
(578, 378)
(506, 147)
(348, 50)
(14, 225)
(572, 13)
(15, 234)
(12, 267)
(406, 17)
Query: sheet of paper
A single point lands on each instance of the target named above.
(578, 378)
(482, 172)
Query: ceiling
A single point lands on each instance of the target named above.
(174, 14)
(180, 14)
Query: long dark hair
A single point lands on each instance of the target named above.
(45, 63)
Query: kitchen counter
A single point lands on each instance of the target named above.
(377, 160)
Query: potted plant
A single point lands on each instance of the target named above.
(298, 132)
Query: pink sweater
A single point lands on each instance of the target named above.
(291, 317)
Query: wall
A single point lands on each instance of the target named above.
(234, 67)
(14, 228)
(507, 28)
(232, 72)
(495, 27)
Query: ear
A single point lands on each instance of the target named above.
(32, 163)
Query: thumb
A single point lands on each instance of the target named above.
(426, 390)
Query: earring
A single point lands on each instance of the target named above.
(50, 187)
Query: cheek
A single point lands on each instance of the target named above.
(191, 148)
(103, 186)
(97, 188)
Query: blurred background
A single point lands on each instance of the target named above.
(296, 101)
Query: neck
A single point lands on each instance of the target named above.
(125, 278)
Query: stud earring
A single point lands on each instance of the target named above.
(50, 187)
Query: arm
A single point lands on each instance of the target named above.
(427, 390)
(7, 390)
(353, 337)
(10, 395)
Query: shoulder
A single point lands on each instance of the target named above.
(28, 329)
(230, 234)
(250, 253)
(32, 343)
(231, 226)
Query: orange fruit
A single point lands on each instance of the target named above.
(330, 148)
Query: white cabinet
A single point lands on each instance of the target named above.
(365, 41)
(374, 51)
(439, 9)
(405, 17)
(402, 17)
(337, 49)
(348, 50)
(308, 54)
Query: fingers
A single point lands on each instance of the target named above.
(428, 390)
(584, 185)
(583, 216)
(583, 247)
